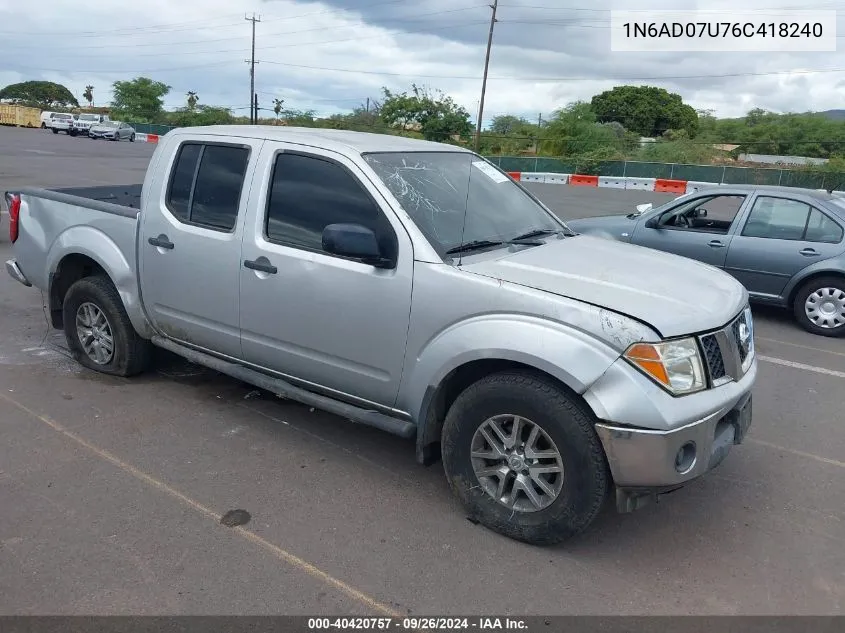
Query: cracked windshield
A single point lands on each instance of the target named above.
(456, 198)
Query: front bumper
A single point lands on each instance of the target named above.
(656, 443)
(15, 272)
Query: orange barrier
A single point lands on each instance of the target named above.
(670, 186)
(583, 181)
(152, 138)
(514, 174)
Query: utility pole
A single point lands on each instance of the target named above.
(493, 6)
(253, 113)
(368, 105)
(255, 103)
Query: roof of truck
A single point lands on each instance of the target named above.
(360, 142)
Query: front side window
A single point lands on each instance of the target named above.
(206, 184)
(308, 193)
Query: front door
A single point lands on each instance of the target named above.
(699, 228)
(780, 237)
(190, 247)
(330, 322)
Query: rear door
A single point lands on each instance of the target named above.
(190, 248)
(780, 237)
(700, 227)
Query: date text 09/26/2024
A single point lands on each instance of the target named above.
(714, 30)
(419, 623)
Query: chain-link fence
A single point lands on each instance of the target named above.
(700, 173)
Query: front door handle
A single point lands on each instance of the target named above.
(809, 252)
(161, 242)
(715, 244)
(261, 266)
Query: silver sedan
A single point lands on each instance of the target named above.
(785, 245)
(113, 131)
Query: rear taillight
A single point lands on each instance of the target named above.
(13, 201)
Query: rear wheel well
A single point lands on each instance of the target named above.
(71, 269)
(439, 402)
(809, 278)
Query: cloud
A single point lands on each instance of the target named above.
(333, 55)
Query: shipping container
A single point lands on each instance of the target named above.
(21, 116)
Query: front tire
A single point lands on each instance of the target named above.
(55, 131)
(132, 137)
(819, 306)
(542, 484)
(98, 330)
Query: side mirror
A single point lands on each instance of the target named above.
(642, 208)
(356, 241)
(702, 213)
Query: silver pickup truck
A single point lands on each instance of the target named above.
(414, 287)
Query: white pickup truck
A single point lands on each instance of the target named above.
(414, 287)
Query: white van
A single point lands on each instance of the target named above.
(45, 119)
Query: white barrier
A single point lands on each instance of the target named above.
(140, 137)
(641, 184)
(532, 176)
(696, 185)
(611, 182)
(557, 179)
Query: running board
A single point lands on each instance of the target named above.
(402, 428)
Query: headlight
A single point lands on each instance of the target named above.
(674, 365)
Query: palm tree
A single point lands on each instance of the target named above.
(89, 95)
(277, 108)
(192, 99)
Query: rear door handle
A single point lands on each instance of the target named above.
(161, 242)
(809, 252)
(264, 267)
(715, 244)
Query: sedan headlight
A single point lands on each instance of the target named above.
(674, 365)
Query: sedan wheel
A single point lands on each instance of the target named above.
(819, 306)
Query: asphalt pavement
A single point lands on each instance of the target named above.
(112, 490)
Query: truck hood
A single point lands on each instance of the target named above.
(672, 294)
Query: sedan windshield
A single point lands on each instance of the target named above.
(108, 124)
(457, 198)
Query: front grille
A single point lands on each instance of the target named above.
(735, 327)
(724, 351)
(713, 356)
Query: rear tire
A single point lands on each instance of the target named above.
(570, 500)
(94, 316)
(55, 131)
(819, 306)
(132, 137)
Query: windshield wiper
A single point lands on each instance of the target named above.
(536, 233)
(473, 245)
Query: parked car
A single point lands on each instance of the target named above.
(61, 122)
(85, 121)
(784, 244)
(45, 119)
(112, 130)
(414, 287)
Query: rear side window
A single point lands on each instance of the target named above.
(206, 184)
(821, 228)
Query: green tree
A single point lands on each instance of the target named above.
(277, 107)
(574, 131)
(200, 115)
(647, 110)
(140, 100)
(192, 99)
(89, 95)
(435, 115)
(506, 124)
(40, 94)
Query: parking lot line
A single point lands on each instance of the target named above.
(808, 347)
(794, 365)
(275, 550)
(818, 458)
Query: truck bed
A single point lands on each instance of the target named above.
(121, 195)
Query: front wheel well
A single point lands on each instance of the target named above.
(809, 278)
(440, 398)
(71, 269)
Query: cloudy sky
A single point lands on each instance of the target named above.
(332, 55)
